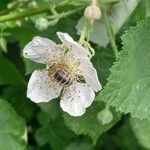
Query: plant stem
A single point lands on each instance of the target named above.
(27, 13)
(110, 33)
(65, 14)
(4, 12)
(18, 15)
(83, 33)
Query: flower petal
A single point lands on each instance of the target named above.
(77, 98)
(41, 50)
(90, 74)
(41, 88)
(76, 51)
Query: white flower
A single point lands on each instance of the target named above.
(66, 66)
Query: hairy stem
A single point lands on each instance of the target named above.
(19, 15)
(31, 12)
(110, 33)
(83, 33)
(65, 14)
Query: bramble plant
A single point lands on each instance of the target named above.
(74, 74)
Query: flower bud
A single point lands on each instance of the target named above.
(18, 23)
(92, 12)
(105, 116)
(41, 24)
(33, 4)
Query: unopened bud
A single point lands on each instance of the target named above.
(41, 24)
(92, 12)
(33, 4)
(26, 19)
(105, 116)
(18, 23)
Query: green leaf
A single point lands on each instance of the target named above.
(147, 5)
(12, 129)
(125, 138)
(118, 15)
(53, 129)
(128, 86)
(26, 108)
(9, 74)
(121, 12)
(82, 145)
(23, 35)
(4, 3)
(103, 61)
(141, 129)
(88, 124)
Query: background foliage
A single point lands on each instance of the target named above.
(125, 77)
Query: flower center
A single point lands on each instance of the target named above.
(63, 72)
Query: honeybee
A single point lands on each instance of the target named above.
(61, 73)
(62, 77)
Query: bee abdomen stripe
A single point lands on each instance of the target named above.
(61, 77)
